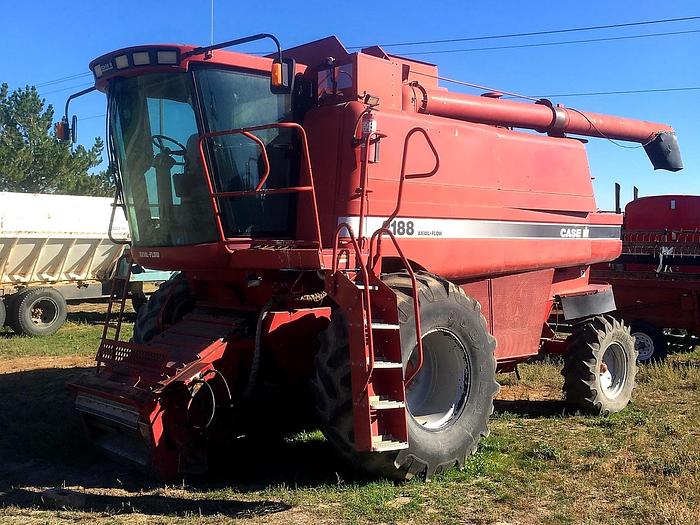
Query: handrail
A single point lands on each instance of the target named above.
(259, 190)
(405, 176)
(371, 263)
(115, 204)
(365, 276)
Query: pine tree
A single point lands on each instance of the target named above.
(33, 160)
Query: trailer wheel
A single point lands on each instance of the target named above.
(649, 341)
(3, 312)
(449, 401)
(37, 311)
(600, 366)
(167, 305)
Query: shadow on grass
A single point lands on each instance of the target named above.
(42, 444)
(96, 318)
(154, 505)
(540, 408)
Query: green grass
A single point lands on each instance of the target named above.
(72, 339)
(540, 464)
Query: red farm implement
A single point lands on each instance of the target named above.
(656, 279)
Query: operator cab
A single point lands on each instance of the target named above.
(174, 137)
(156, 122)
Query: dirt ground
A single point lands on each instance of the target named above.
(22, 364)
(541, 463)
(43, 447)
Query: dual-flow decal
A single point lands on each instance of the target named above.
(482, 229)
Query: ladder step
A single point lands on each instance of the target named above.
(387, 364)
(385, 403)
(361, 286)
(384, 326)
(113, 325)
(387, 443)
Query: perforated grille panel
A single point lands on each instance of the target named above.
(112, 352)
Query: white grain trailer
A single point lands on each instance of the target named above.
(54, 249)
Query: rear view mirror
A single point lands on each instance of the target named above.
(74, 130)
(282, 76)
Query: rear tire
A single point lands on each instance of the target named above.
(38, 312)
(3, 312)
(649, 341)
(600, 366)
(456, 343)
(11, 310)
(166, 306)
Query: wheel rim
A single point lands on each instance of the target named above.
(439, 391)
(44, 312)
(613, 371)
(644, 345)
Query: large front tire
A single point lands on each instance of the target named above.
(600, 366)
(450, 399)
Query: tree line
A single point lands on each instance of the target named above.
(33, 160)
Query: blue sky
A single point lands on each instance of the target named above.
(58, 39)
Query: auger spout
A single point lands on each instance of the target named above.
(659, 140)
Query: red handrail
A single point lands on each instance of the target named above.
(372, 263)
(405, 176)
(247, 132)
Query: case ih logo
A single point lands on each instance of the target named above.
(149, 255)
(574, 233)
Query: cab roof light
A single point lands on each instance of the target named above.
(167, 57)
(122, 61)
(141, 58)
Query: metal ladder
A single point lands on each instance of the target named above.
(117, 296)
(377, 375)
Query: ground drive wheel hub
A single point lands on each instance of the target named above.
(614, 372)
(439, 391)
(644, 345)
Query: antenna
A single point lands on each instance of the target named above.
(211, 32)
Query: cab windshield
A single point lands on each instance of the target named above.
(156, 121)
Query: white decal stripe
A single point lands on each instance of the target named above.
(415, 227)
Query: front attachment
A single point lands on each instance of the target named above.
(159, 405)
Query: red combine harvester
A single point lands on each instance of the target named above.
(656, 280)
(344, 225)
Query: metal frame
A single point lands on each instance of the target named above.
(259, 190)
